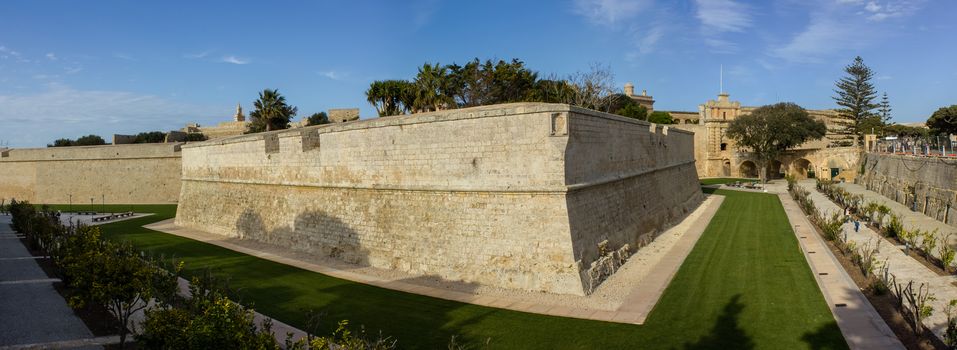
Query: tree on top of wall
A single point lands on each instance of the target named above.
(270, 112)
(88, 140)
(661, 117)
(317, 119)
(150, 137)
(944, 120)
(770, 130)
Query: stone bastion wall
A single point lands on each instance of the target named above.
(925, 184)
(125, 174)
(542, 197)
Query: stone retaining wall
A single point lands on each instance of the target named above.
(529, 196)
(925, 184)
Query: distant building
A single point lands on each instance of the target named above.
(643, 99)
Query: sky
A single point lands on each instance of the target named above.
(72, 68)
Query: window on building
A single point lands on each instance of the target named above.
(724, 115)
(724, 146)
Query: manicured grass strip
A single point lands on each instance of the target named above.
(745, 284)
(723, 180)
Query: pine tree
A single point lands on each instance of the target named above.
(855, 94)
(884, 111)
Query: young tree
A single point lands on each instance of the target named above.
(944, 120)
(271, 112)
(317, 119)
(770, 130)
(856, 94)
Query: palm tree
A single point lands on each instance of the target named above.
(431, 83)
(389, 96)
(271, 112)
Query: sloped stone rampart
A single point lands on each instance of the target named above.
(527, 196)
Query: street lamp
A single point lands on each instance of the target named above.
(92, 209)
(71, 202)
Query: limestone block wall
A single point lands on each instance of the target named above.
(928, 185)
(124, 174)
(496, 195)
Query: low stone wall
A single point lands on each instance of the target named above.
(927, 185)
(124, 174)
(541, 197)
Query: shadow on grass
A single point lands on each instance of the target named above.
(726, 333)
(827, 336)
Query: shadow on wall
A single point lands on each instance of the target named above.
(313, 232)
(373, 308)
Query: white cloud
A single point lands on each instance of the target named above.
(123, 56)
(50, 56)
(7, 53)
(723, 15)
(334, 75)
(234, 60)
(609, 12)
(721, 45)
(836, 28)
(32, 120)
(198, 54)
(823, 37)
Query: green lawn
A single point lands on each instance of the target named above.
(744, 285)
(723, 180)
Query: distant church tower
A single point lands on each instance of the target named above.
(239, 117)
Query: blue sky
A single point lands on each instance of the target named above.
(70, 68)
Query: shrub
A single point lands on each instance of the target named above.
(209, 320)
(928, 241)
(946, 252)
(882, 211)
(895, 227)
(831, 227)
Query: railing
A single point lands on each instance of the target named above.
(916, 147)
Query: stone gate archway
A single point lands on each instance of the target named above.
(726, 168)
(802, 169)
(748, 169)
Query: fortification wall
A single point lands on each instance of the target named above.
(928, 185)
(125, 174)
(529, 196)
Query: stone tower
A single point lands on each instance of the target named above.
(644, 100)
(239, 117)
(716, 115)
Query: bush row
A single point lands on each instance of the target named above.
(125, 281)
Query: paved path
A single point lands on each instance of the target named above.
(909, 218)
(634, 310)
(32, 313)
(862, 326)
(904, 267)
